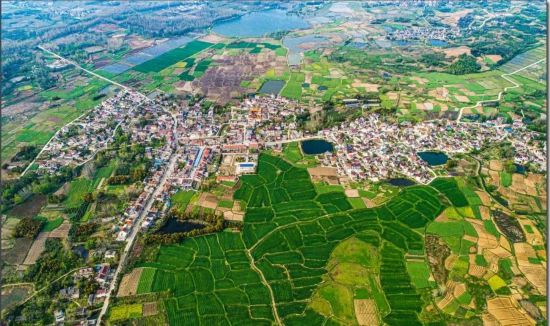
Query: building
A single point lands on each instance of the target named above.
(245, 168)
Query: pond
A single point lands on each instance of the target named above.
(175, 226)
(260, 23)
(434, 42)
(272, 87)
(296, 46)
(520, 168)
(316, 146)
(401, 182)
(433, 158)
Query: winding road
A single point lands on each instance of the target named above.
(505, 76)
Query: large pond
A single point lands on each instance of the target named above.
(272, 87)
(260, 23)
(434, 42)
(316, 146)
(433, 158)
(401, 182)
(175, 226)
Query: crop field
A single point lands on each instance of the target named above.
(181, 199)
(126, 312)
(293, 88)
(78, 188)
(450, 189)
(284, 251)
(171, 57)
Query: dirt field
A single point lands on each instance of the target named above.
(322, 171)
(37, 248)
(352, 193)
(128, 285)
(150, 309)
(16, 255)
(208, 200)
(506, 312)
(455, 52)
(62, 231)
(368, 87)
(366, 312)
(29, 208)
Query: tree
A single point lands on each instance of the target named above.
(466, 64)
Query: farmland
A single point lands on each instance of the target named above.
(290, 234)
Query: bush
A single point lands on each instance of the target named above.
(28, 228)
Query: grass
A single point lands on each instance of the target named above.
(181, 199)
(323, 187)
(77, 189)
(50, 225)
(505, 178)
(357, 202)
(419, 273)
(292, 152)
(225, 203)
(293, 88)
(495, 282)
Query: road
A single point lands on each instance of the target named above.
(133, 234)
(137, 225)
(505, 76)
(126, 88)
(271, 143)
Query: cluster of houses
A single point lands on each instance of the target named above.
(369, 148)
(103, 275)
(77, 142)
(423, 33)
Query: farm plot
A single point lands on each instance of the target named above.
(171, 57)
(284, 252)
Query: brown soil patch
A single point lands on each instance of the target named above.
(213, 38)
(485, 239)
(231, 216)
(36, 249)
(420, 80)
(475, 270)
(353, 193)
(453, 18)
(368, 87)
(128, 285)
(440, 93)
(455, 52)
(494, 57)
(495, 165)
(62, 231)
(485, 211)
(462, 98)
(366, 312)
(208, 200)
(29, 208)
(150, 309)
(16, 255)
(322, 171)
(507, 312)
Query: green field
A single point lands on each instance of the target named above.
(181, 199)
(171, 57)
(77, 189)
(283, 252)
(293, 88)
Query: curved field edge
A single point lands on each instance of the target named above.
(281, 255)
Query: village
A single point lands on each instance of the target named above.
(194, 144)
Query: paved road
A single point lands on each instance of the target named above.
(126, 88)
(505, 76)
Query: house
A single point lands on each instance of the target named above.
(110, 254)
(59, 316)
(70, 293)
(102, 273)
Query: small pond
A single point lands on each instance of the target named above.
(434, 42)
(401, 182)
(175, 226)
(433, 158)
(520, 168)
(272, 87)
(316, 146)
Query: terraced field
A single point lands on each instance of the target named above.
(270, 271)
